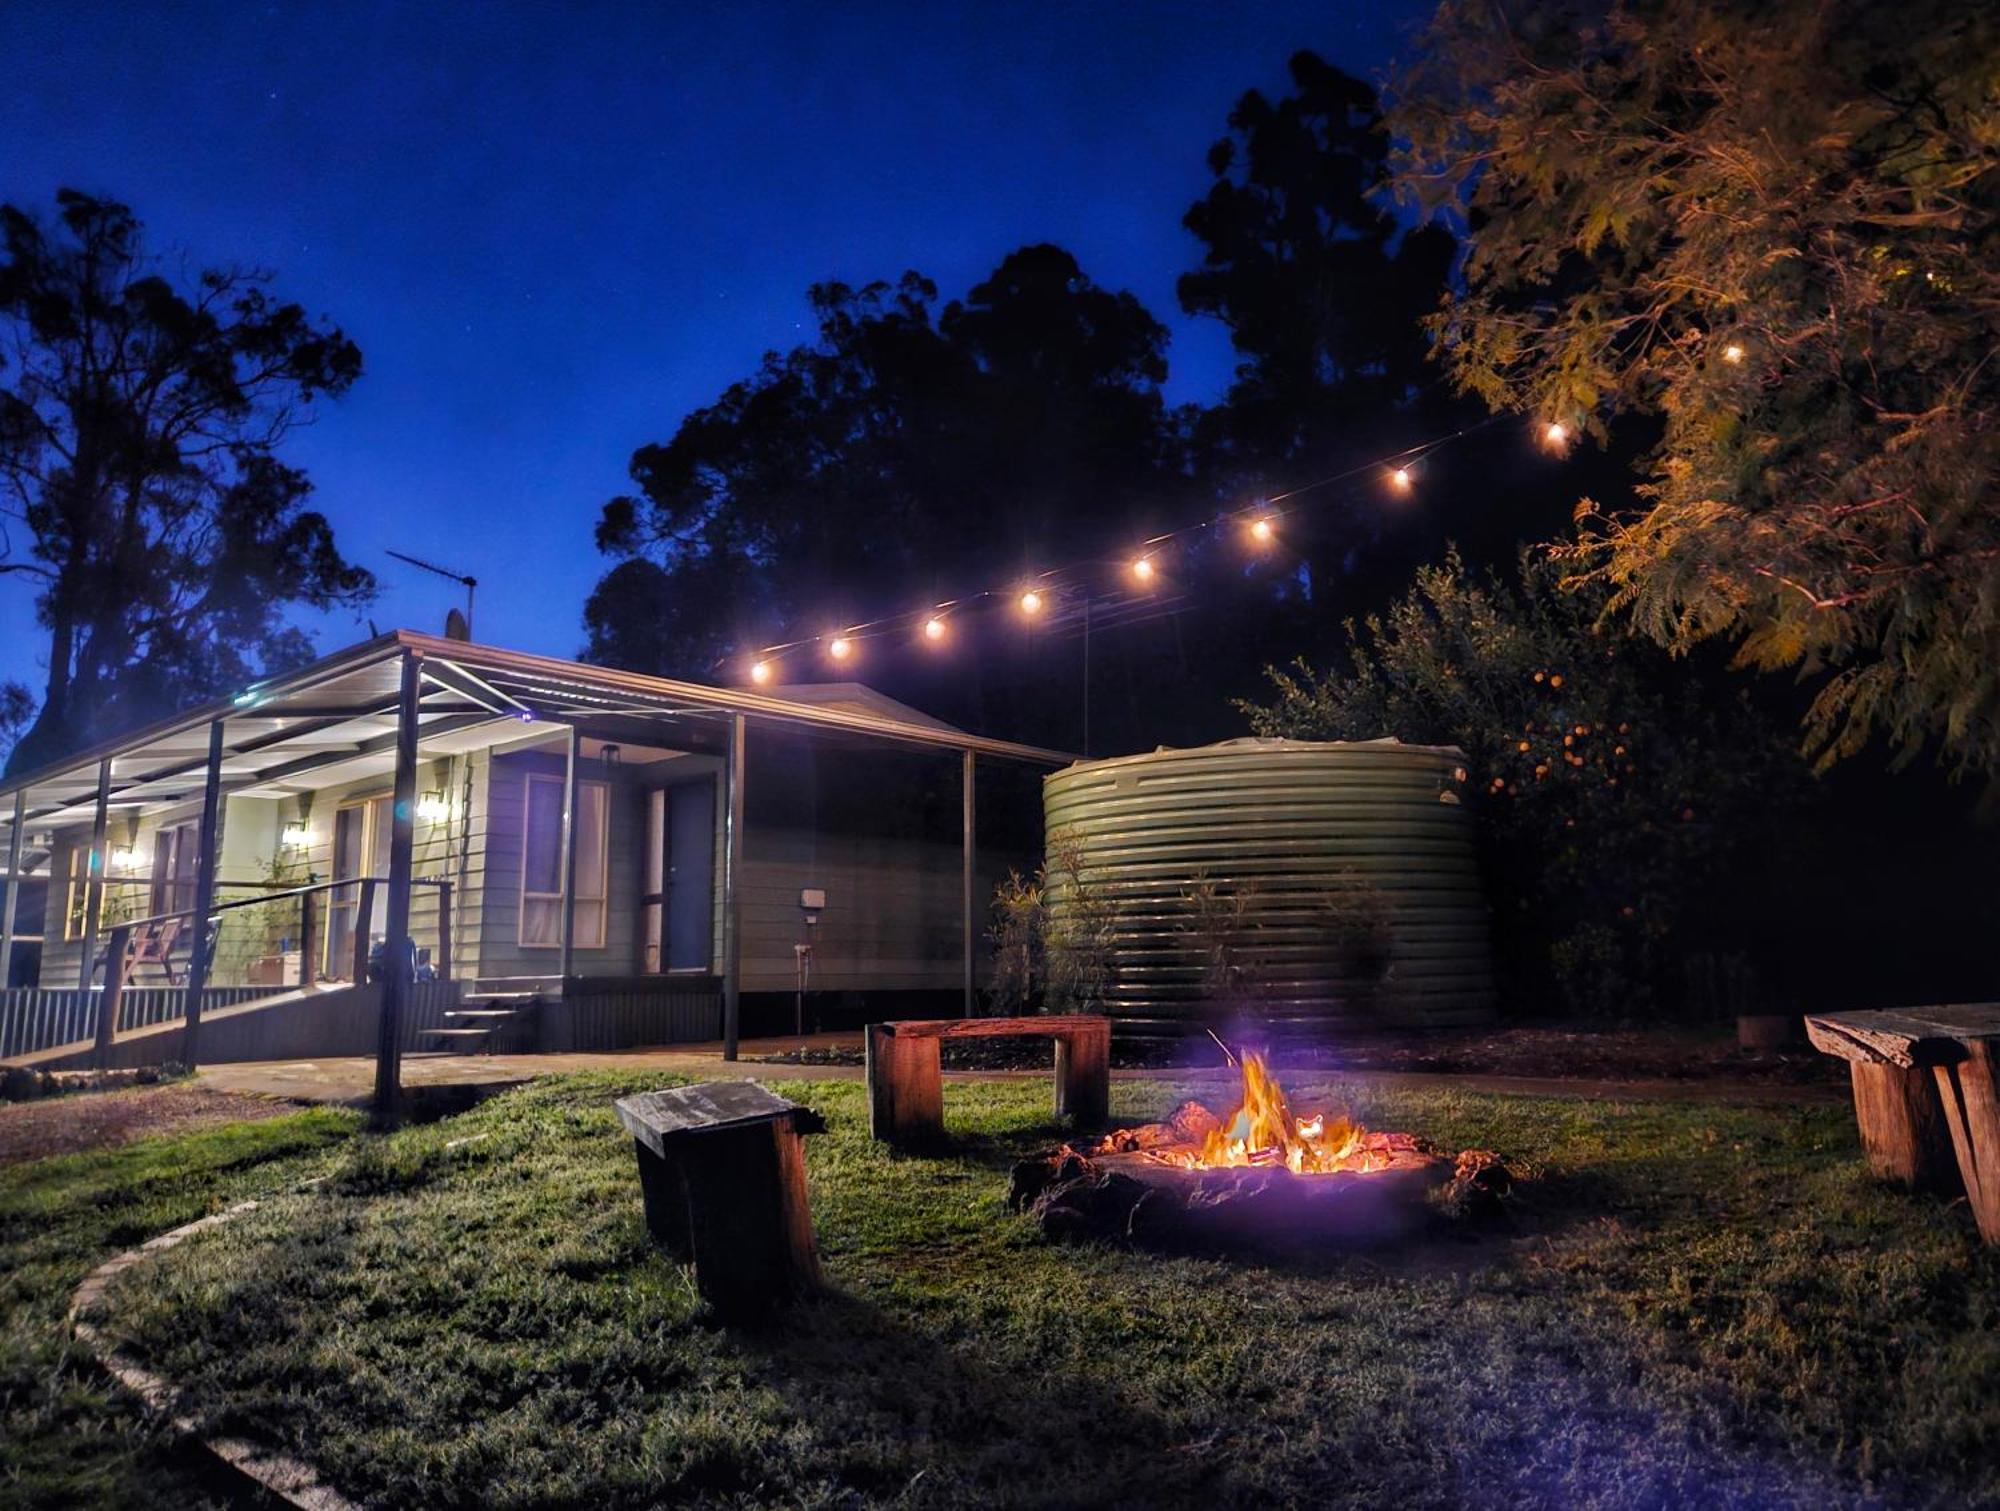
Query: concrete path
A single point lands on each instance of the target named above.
(352, 1080)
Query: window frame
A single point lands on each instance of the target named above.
(602, 896)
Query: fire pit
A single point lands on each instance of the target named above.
(1261, 1176)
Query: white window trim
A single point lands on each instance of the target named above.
(603, 897)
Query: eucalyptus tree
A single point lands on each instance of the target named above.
(141, 490)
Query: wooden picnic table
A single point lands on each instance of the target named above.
(906, 1080)
(1925, 1096)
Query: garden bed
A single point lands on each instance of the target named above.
(1686, 1304)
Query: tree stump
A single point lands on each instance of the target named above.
(722, 1173)
(905, 1087)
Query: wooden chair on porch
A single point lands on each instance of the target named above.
(150, 944)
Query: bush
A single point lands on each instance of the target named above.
(1611, 783)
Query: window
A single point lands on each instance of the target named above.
(542, 863)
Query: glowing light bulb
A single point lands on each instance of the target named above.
(1142, 568)
(1401, 479)
(1732, 353)
(1557, 434)
(760, 672)
(840, 648)
(1262, 530)
(933, 628)
(1031, 602)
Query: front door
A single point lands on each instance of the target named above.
(679, 900)
(361, 833)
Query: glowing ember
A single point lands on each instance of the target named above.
(1263, 1131)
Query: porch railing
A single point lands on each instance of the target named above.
(37, 1019)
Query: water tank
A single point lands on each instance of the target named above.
(1297, 882)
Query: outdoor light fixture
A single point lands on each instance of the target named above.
(934, 628)
(1556, 434)
(1143, 569)
(760, 672)
(1732, 353)
(295, 835)
(1031, 602)
(1262, 530)
(840, 648)
(1400, 478)
(433, 807)
(125, 859)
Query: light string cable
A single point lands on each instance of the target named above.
(1040, 592)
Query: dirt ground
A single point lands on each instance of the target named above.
(103, 1119)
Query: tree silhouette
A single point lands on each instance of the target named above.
(138, 427)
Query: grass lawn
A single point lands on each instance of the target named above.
(1693, 1304)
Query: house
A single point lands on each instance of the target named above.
(559, 856)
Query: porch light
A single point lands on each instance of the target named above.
(296, 834)
(760, 672)
(1031, 602)
(1262, 530)
(840, 648)
(1142, 568)
(434, 807)
(125, 859)
(934, 629)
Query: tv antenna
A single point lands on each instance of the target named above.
(465, 580)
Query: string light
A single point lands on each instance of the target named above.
(1556, 435)
(1260, 527)
(1732, 353)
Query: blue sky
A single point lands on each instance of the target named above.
(554, 229)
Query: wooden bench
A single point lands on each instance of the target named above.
(906, 1081)
(722, 1171)
(1924, 1096)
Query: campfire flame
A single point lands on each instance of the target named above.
(1264, 1131)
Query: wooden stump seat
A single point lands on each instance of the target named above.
(1925, 1097)
(906, 1082)
(722, 1171)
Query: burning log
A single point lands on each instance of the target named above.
(1260, 1178)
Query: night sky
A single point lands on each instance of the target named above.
(554, 229)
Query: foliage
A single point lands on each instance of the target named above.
(1612, 784)
(1051, 936)
(140, 487)
(1772, 227)
(1704, 1304)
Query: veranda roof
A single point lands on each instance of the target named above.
(301, 729)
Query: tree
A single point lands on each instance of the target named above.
(1323, 293)
(910, 453)
(139, 482)
(1612, 784)
(1772, 228)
